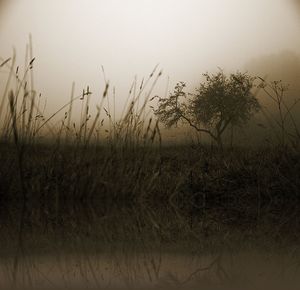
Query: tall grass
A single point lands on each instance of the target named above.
(100, 159)
(283, 117)
(105, 184)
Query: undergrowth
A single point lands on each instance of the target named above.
(100, 163)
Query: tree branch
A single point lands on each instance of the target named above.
(197, 128)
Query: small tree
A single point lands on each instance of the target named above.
(220, 101)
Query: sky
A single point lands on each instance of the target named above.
(72, 39)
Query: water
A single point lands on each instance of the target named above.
(150, 270)
(122, 251)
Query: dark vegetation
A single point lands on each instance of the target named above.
(113, 171)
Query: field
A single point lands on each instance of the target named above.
(120, 188)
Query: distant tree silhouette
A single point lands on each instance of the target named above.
(220, 101)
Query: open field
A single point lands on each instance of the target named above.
(177, 192)
(113, 191)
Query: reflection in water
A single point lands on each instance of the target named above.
(122, 248)
(153, 271)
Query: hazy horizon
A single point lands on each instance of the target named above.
(72, 39)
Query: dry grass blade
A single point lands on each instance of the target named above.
(5, 62)
(14, 117)
(31, 62)
(58, 111)
(11, 73)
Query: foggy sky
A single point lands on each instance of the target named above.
(73, 38)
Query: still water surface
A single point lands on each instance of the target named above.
(121, 270)
(125, 249)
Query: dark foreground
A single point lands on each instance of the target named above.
(149, 217)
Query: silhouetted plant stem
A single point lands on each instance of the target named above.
(19, 146)
(20, 248)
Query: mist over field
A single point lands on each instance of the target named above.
(73, 39)
(150, 144)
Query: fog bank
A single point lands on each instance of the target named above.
(73, 38)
